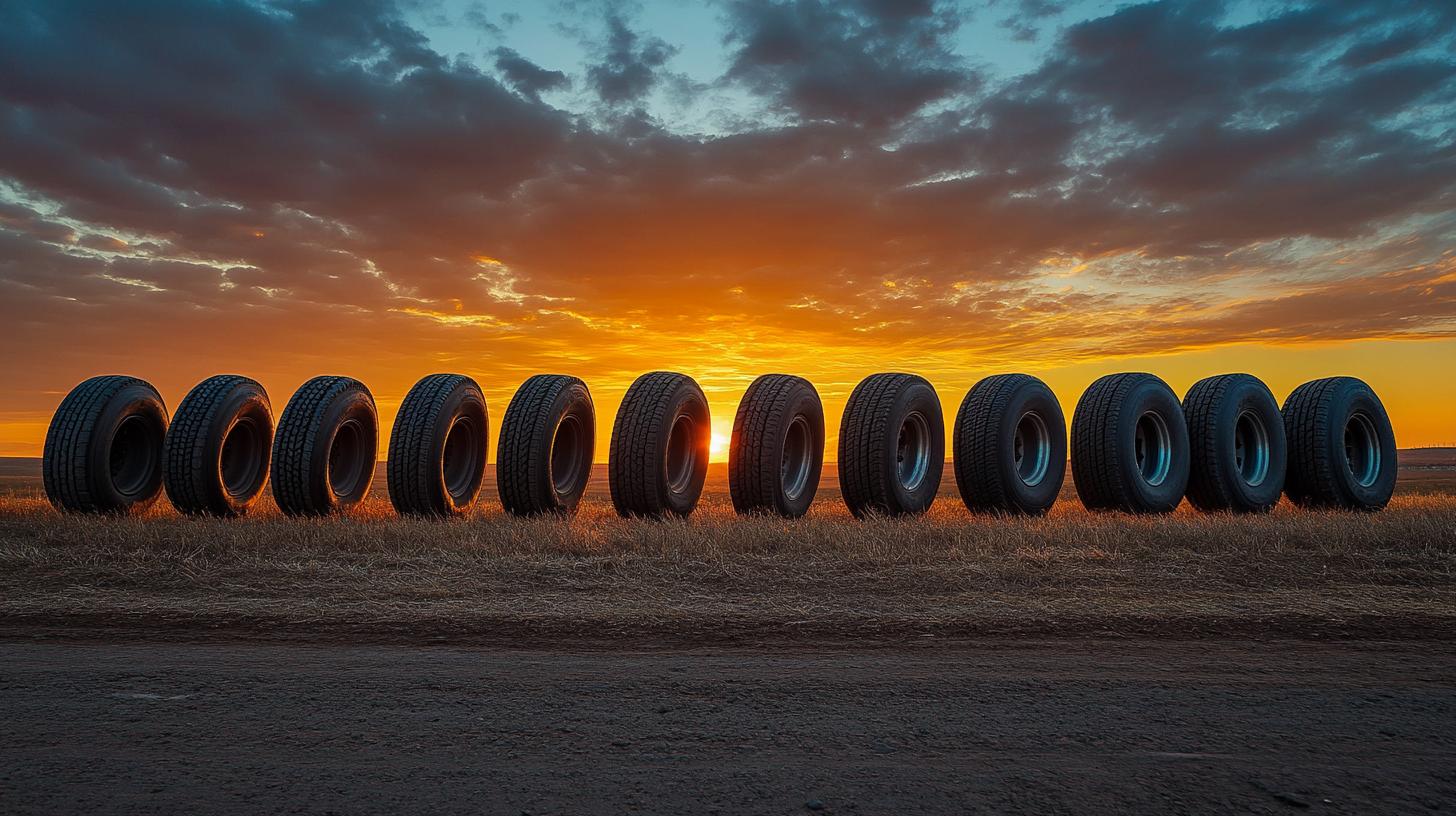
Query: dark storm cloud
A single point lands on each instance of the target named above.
(319, 164)
(526, 76)
(630, 65)
(868, 63)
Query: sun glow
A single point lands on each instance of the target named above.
(718, 448)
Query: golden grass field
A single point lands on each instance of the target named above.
(719, 578)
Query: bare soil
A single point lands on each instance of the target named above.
(1056, 727)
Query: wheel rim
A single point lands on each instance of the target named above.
(794, 467)
(1362, 448)
(912, 451)
(460, 459)
(1251, 449)
(682, 454)
(1153, 448)
(566, 455)
(240, 461)
(1031, 449)
(132, 457)
(346, 456)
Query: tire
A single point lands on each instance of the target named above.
(1236, 441)
(1342, 450)
(1010, 446)
(1130, 445)
(217, 451)
(547, 441)
(777, 450)
(325, 447)
(891, 446)
(438, 448)
(103, 450)
(659, 453)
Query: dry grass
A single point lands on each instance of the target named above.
(718, 578)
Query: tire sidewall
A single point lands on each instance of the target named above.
(354, 403)
(1032, 397)
(245, 400)
(465, 401)
(917, 396)
(687, 400)
(1352, 396)
(805, 403)
(573, 401)
(1248, 394)
(131, 400)
(1153, 395)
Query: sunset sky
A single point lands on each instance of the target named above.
(726, 189)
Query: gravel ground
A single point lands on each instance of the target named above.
(1044, 727)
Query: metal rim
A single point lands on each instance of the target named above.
(794, 464)
(132, 456)
(460, 458)
(1362, 448)
(1251, 448)
(566, 454)
(1153, 448)
(1031, 449)
(682, 454)
(240, 461)
(346, 458)
(912, 451)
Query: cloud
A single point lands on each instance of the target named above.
(294, 184)
(630, 66)
(526, 76)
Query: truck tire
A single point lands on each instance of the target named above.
(659, 453)
(325, 447)
(1341, 446)
(547, 440)
(777, 450)
(1010, 446)
(891, 446)
(1236, 438)
(216, 455)
(1130, 445)
(103, 450)
(438, 448)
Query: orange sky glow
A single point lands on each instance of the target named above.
(953, 189)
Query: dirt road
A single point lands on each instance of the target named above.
(1082, 727)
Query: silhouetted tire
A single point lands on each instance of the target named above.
(1130, 445)
(1341, 446)
(891, 446)
(659, 452)
(215, 458)
(546, 446)
(437, 449)
(103, 450)
(1236, 439)
(777, 450)
(325, 447)
(1010, 446)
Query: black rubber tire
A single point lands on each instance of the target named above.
(103, 450)
(879, 410)
(988, 472)
(1318, 416)
(779, 425)
(216, 456)
(1233, 427)
(325, 448)
(1105, 464)
(662, 425)
(438, 448)
(547, 442)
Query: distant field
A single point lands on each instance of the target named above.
(718, 578)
